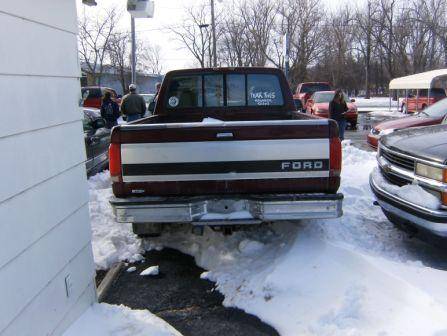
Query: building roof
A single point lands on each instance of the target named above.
(423, 80)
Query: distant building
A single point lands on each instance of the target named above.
(111, 78)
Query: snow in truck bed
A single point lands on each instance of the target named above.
(346, 276)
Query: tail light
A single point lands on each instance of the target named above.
(335, 157)
(115, 162)
(444, 198)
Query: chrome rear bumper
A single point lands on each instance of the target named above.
(232, 210)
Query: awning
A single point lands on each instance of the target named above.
(423, 80)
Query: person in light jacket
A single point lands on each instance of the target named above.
(133, 106)
(337, 112)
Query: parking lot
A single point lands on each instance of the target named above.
(185, 295)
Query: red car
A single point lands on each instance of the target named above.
(305, 90)
(432, 115)
(411, 104)
(92, 96)
(318, 105)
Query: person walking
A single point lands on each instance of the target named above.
(133, 106)
(110, 110)
(337, 111)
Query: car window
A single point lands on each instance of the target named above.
(264, 90)
(323, 97)
(438, 109)
(236, 93)
(185, 91)
(213, 87)
(314, 87)
(437, 93)
(92, 92)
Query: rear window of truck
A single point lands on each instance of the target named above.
(217, 90)
(314, 87)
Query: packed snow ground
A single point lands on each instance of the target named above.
(107, 320)
(345, 276)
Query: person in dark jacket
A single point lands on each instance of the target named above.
(110, 111)
(337, 111)
(133, 106)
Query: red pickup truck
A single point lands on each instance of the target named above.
(224, 148)
(92, 96)
(305, 90)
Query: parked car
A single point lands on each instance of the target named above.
(413, 103)
(305, 90)
(92, 96)
(432, 115)
(417, 155)
(225, 147)
(97, 141)
(318, 105)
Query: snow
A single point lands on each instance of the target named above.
(106, 320)
(387, 113)
(111, 241)
(151, 270)
(410, 192)
(347, 276)
(209, 120)
(376, 104)
(131, 269)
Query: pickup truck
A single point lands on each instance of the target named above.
(415, 156)
(224, 148)
(305, 90)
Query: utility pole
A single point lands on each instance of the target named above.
(213, 29)
(368, 52)
(286, 55)
(134, 50)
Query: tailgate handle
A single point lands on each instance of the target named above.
(226, 135)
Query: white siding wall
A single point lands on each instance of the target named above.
(44, 224)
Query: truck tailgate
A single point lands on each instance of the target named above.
(225, 158)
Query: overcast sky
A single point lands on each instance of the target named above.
(167, 13)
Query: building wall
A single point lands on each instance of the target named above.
(45, 231)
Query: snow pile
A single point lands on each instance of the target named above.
(373, 102)
(106, 320)
(386, 113)
(410, 192)
(209, 120)
(111, 241)
(362, 226)
(151, 270)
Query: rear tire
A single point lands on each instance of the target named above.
(147, 230)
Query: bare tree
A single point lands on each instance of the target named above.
(193, 34)
(149, 58)
(118, 54)
(303, 22)
(259, 20)
(94, 39)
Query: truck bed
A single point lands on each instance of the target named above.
(163, 156)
